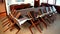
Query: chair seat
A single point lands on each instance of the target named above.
(42, 15)
(23, 20)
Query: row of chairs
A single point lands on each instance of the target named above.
(40, 17)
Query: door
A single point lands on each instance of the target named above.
(36, 3)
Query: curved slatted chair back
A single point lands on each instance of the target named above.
(10, 17)
(41, 18)
(16, 14)
(47, 11)
(43, 10)
(31, 15)
(50, 16)
(51, 9)
(54, 9)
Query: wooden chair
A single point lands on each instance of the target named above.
(33, 21)
(48, 18)
(49, 9)
(13, 25)
(46, 14)
(51, 16)
(42, 19)
(54, 11)
(47, 5)
(43, 14)
(7, 20)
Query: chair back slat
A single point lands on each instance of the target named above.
(41, 8)
(44, 10)
(51, 9)
(40, 12)
(54, 9)
(47, 9)
(16, 14)
(32, 15)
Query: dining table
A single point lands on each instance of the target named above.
(24, 17)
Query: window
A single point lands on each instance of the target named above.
(58, 2)
(44, 1)
(19, 0)
(51, 1)
(40, 2)
(30, 1)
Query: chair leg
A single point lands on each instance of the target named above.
(6, 24)
(30, 29)
(36, 27)
(54, 17)
(9, 27)
(6, 29)
(5, 21)
(44, 22)
(17, 31)
(49, 20)
(9, 24)
(39, 29)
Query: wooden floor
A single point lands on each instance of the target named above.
(52, 29)
(2, 10)
(2, 7)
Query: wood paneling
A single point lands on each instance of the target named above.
(58, 8)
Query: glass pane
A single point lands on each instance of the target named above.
(51, 1)
(29, 1)
(58, 2)
(44, 1)
(19, 0)
(41, 2)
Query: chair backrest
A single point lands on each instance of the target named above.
(16, 14)
(54, 9)
(47, 10)
(43, 9)
(51, 9)
(40, 12)
(32, 15)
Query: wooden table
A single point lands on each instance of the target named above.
(24, 12)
